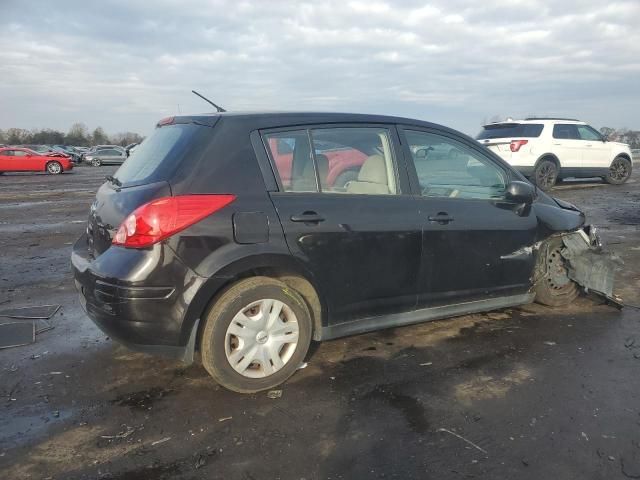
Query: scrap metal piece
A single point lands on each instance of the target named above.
(41, 312)
(17, 334)
(589, 265)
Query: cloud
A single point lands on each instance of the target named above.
(124, 64)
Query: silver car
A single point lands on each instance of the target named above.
(106, 156)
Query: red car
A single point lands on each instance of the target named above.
(344, 163)
(15, 159)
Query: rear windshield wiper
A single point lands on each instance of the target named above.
(114, 180)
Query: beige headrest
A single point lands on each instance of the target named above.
(373, 170)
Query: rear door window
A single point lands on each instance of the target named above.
(510, 130)
(157, 157)
(350, 160)
(566, 131)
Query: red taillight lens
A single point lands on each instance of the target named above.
(163, 217)
(516, 144)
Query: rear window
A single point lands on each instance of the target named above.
(157, 157)
(509, 130)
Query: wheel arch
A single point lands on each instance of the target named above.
(548, 156)
(278, 266)
(624, 155)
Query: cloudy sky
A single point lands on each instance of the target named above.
(123, 64)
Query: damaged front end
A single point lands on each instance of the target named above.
(579, 256)
(589, 265)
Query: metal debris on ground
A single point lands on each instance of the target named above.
(463, 439)
(40, 312)
(124, 434)
(426, 364)
(17, 334)
(162, 440)
(274, 394)
(551, 344)
(224, 419)
(303, 365)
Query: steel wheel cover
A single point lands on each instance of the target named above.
(261, 338)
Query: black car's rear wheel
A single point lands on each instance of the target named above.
(545, 174)
(54, 168)
(256, 335)
(619, 171)
(555, 288)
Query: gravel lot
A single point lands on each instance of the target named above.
(527, 393)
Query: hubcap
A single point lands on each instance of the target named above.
(54, 168)
(261, 338)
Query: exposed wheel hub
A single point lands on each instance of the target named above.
(556, 270)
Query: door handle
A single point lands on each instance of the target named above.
(442, 218)
(307, 217)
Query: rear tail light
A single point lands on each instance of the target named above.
(516, 144)
(164, 217)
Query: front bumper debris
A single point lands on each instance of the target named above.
(589, 265)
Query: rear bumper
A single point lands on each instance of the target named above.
(138, 297)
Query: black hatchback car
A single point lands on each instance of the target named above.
(247, 236)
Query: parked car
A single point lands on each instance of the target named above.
(205, 240)
(548, 149)
(67, 150)
(106, 156)
(96, 148)
(16, 159)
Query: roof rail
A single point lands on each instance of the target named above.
(553, 118)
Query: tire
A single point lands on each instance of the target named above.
(545, 174)
(555, 288)
(96, 162)
(54, 168)
(344, 178)
(254, 361)
(619, 171)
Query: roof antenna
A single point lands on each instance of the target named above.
(219, 109)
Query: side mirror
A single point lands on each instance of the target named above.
(520, 192)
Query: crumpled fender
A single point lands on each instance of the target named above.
(589, 265)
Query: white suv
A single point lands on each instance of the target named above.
(548, 149)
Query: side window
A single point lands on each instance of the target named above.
(567, 131)
(588, 133)
(19, 153)
(291, 156)
(7, 153)
(350, 160)
(448, 168)
(354, 160)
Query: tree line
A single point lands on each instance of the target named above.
(78, 136)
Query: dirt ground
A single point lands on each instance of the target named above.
(527, 393)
